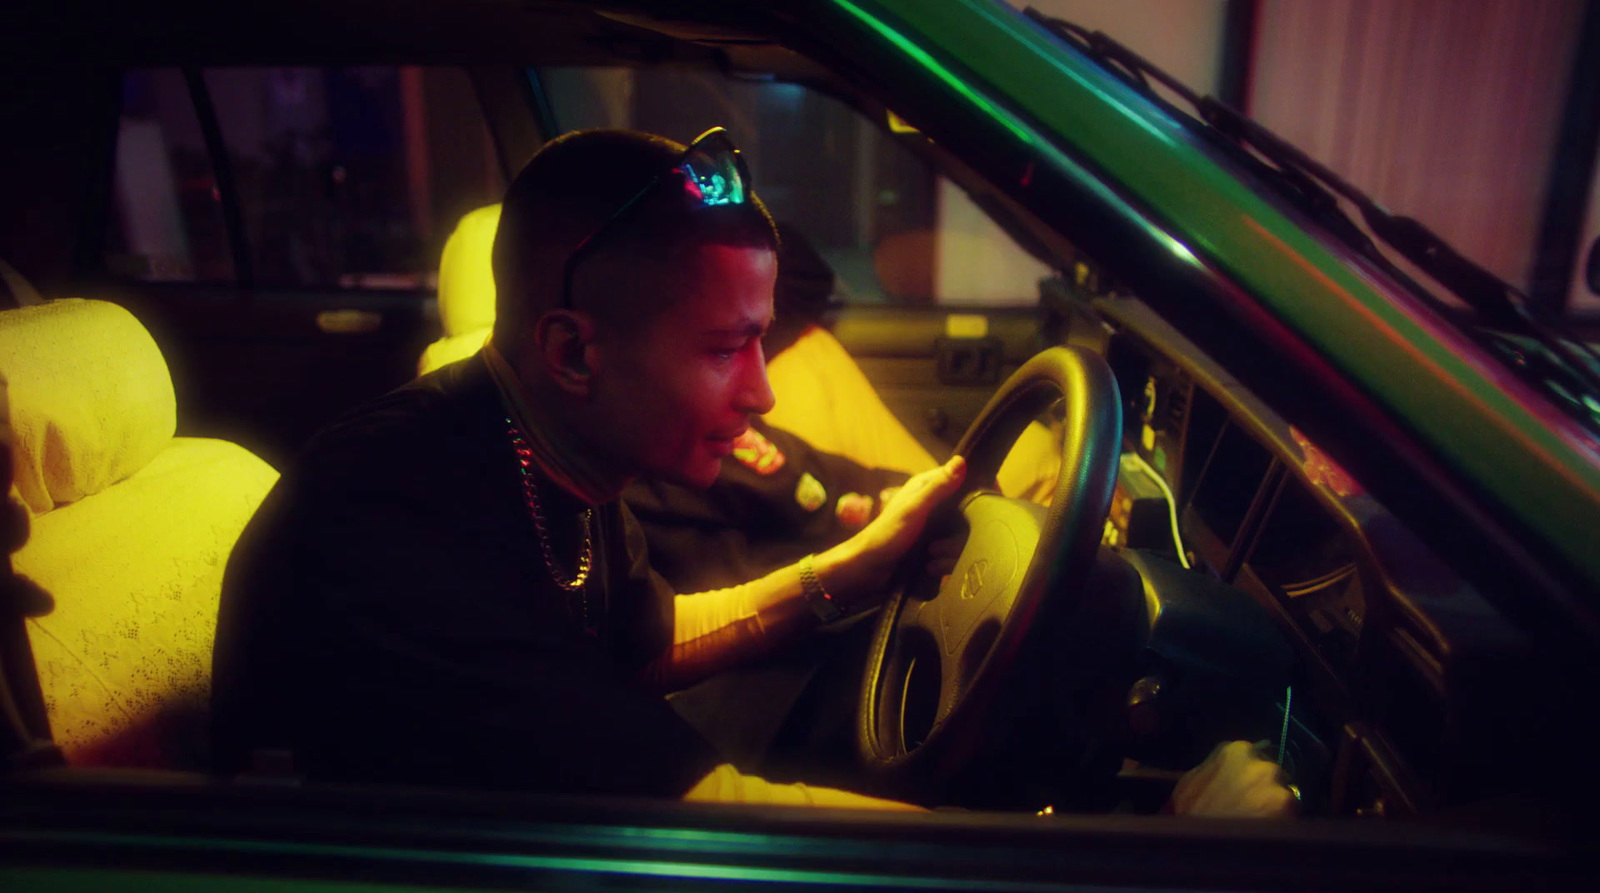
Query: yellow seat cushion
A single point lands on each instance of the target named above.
(823, 396)
(466, 275)
(136, 570)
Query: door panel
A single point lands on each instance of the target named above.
(262, 372)
(936, 367)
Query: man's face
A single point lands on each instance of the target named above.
(671, 399)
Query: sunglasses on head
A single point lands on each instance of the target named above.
(710, 173)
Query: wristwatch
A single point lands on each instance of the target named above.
(822, 603)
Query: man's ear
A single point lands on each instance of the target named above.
(561, 340)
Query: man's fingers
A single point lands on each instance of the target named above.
(935, 484)
(1193, 784)
(944, 480)
(955, 470)
(1233, 781)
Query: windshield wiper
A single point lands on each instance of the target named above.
(1570, 366)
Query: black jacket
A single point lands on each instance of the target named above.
(387, 616)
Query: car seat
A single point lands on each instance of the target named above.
(131, 528)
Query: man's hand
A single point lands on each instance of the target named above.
(1234, 782)
(859, 568)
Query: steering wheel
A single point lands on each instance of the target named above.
(940, 648)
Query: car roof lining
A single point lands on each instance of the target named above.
(253, 32)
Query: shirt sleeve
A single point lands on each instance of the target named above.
(674, 639)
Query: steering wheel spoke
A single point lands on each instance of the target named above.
(966, 613)
(940, 647)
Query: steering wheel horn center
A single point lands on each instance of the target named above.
(982, 585)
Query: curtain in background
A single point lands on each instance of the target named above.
(1444, 110)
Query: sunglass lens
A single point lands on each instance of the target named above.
(712, 174)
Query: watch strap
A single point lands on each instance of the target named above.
(822, 602)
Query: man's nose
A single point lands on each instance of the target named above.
(755, 392)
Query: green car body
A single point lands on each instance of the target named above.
(1062, 111)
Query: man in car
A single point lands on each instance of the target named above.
(447, 589)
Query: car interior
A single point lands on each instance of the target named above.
(268, 237)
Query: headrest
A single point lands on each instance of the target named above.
(466, 273)
(91, 398)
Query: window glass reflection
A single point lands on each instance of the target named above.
(353, 177)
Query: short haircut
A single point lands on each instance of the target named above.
(572, 186)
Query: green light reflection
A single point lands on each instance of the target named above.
(1047, 150)
(588, 864)
(937, 68)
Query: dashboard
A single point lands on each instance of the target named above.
(1406, 683)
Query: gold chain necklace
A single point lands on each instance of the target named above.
(530, 492)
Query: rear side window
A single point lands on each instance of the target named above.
(353, 177)
(344, 178)
(166, 222)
